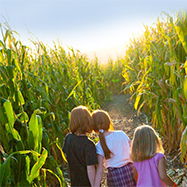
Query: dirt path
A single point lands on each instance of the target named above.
(124, 117)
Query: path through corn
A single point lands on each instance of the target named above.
(125, 118)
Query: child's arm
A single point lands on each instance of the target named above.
(99, 171)
(129, 143)
(91, 174)
(135, 174)
(162, 173)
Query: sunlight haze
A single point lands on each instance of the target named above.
(102, 28)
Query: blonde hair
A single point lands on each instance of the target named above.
(101, 120)
(145, 143)
(81, 120)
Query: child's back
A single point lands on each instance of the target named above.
(148, 158)
(147, 169)
(118, 143)
(113, 149)
(80, 152)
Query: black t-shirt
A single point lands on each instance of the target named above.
(80, 152)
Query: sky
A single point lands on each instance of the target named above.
(95, 27)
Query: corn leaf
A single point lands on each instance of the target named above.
(9, 113)
(183, 144)
(37, 166)
(35, 132)
(185, 86)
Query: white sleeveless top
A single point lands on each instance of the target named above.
(119, 144)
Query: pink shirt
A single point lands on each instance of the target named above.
(148, 175)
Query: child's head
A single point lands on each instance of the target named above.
(145, 143)
(101, 120)
(81, 120)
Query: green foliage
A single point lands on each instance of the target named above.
(38, 89)
(155, 74)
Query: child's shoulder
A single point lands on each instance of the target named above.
(158, 156)
(120, 133)
(69, 135)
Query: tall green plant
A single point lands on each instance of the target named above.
(155, 75)
(21, 169)
(38, 89)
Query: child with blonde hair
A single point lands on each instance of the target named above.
(80, 151)
(148, 158)
(113, 149)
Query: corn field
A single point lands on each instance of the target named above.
(155, 73)
(39, 87)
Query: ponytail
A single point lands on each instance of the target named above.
(104, 146)
(102, 122)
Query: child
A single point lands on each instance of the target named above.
(80, 151)
(148, 158)
(113, 148)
